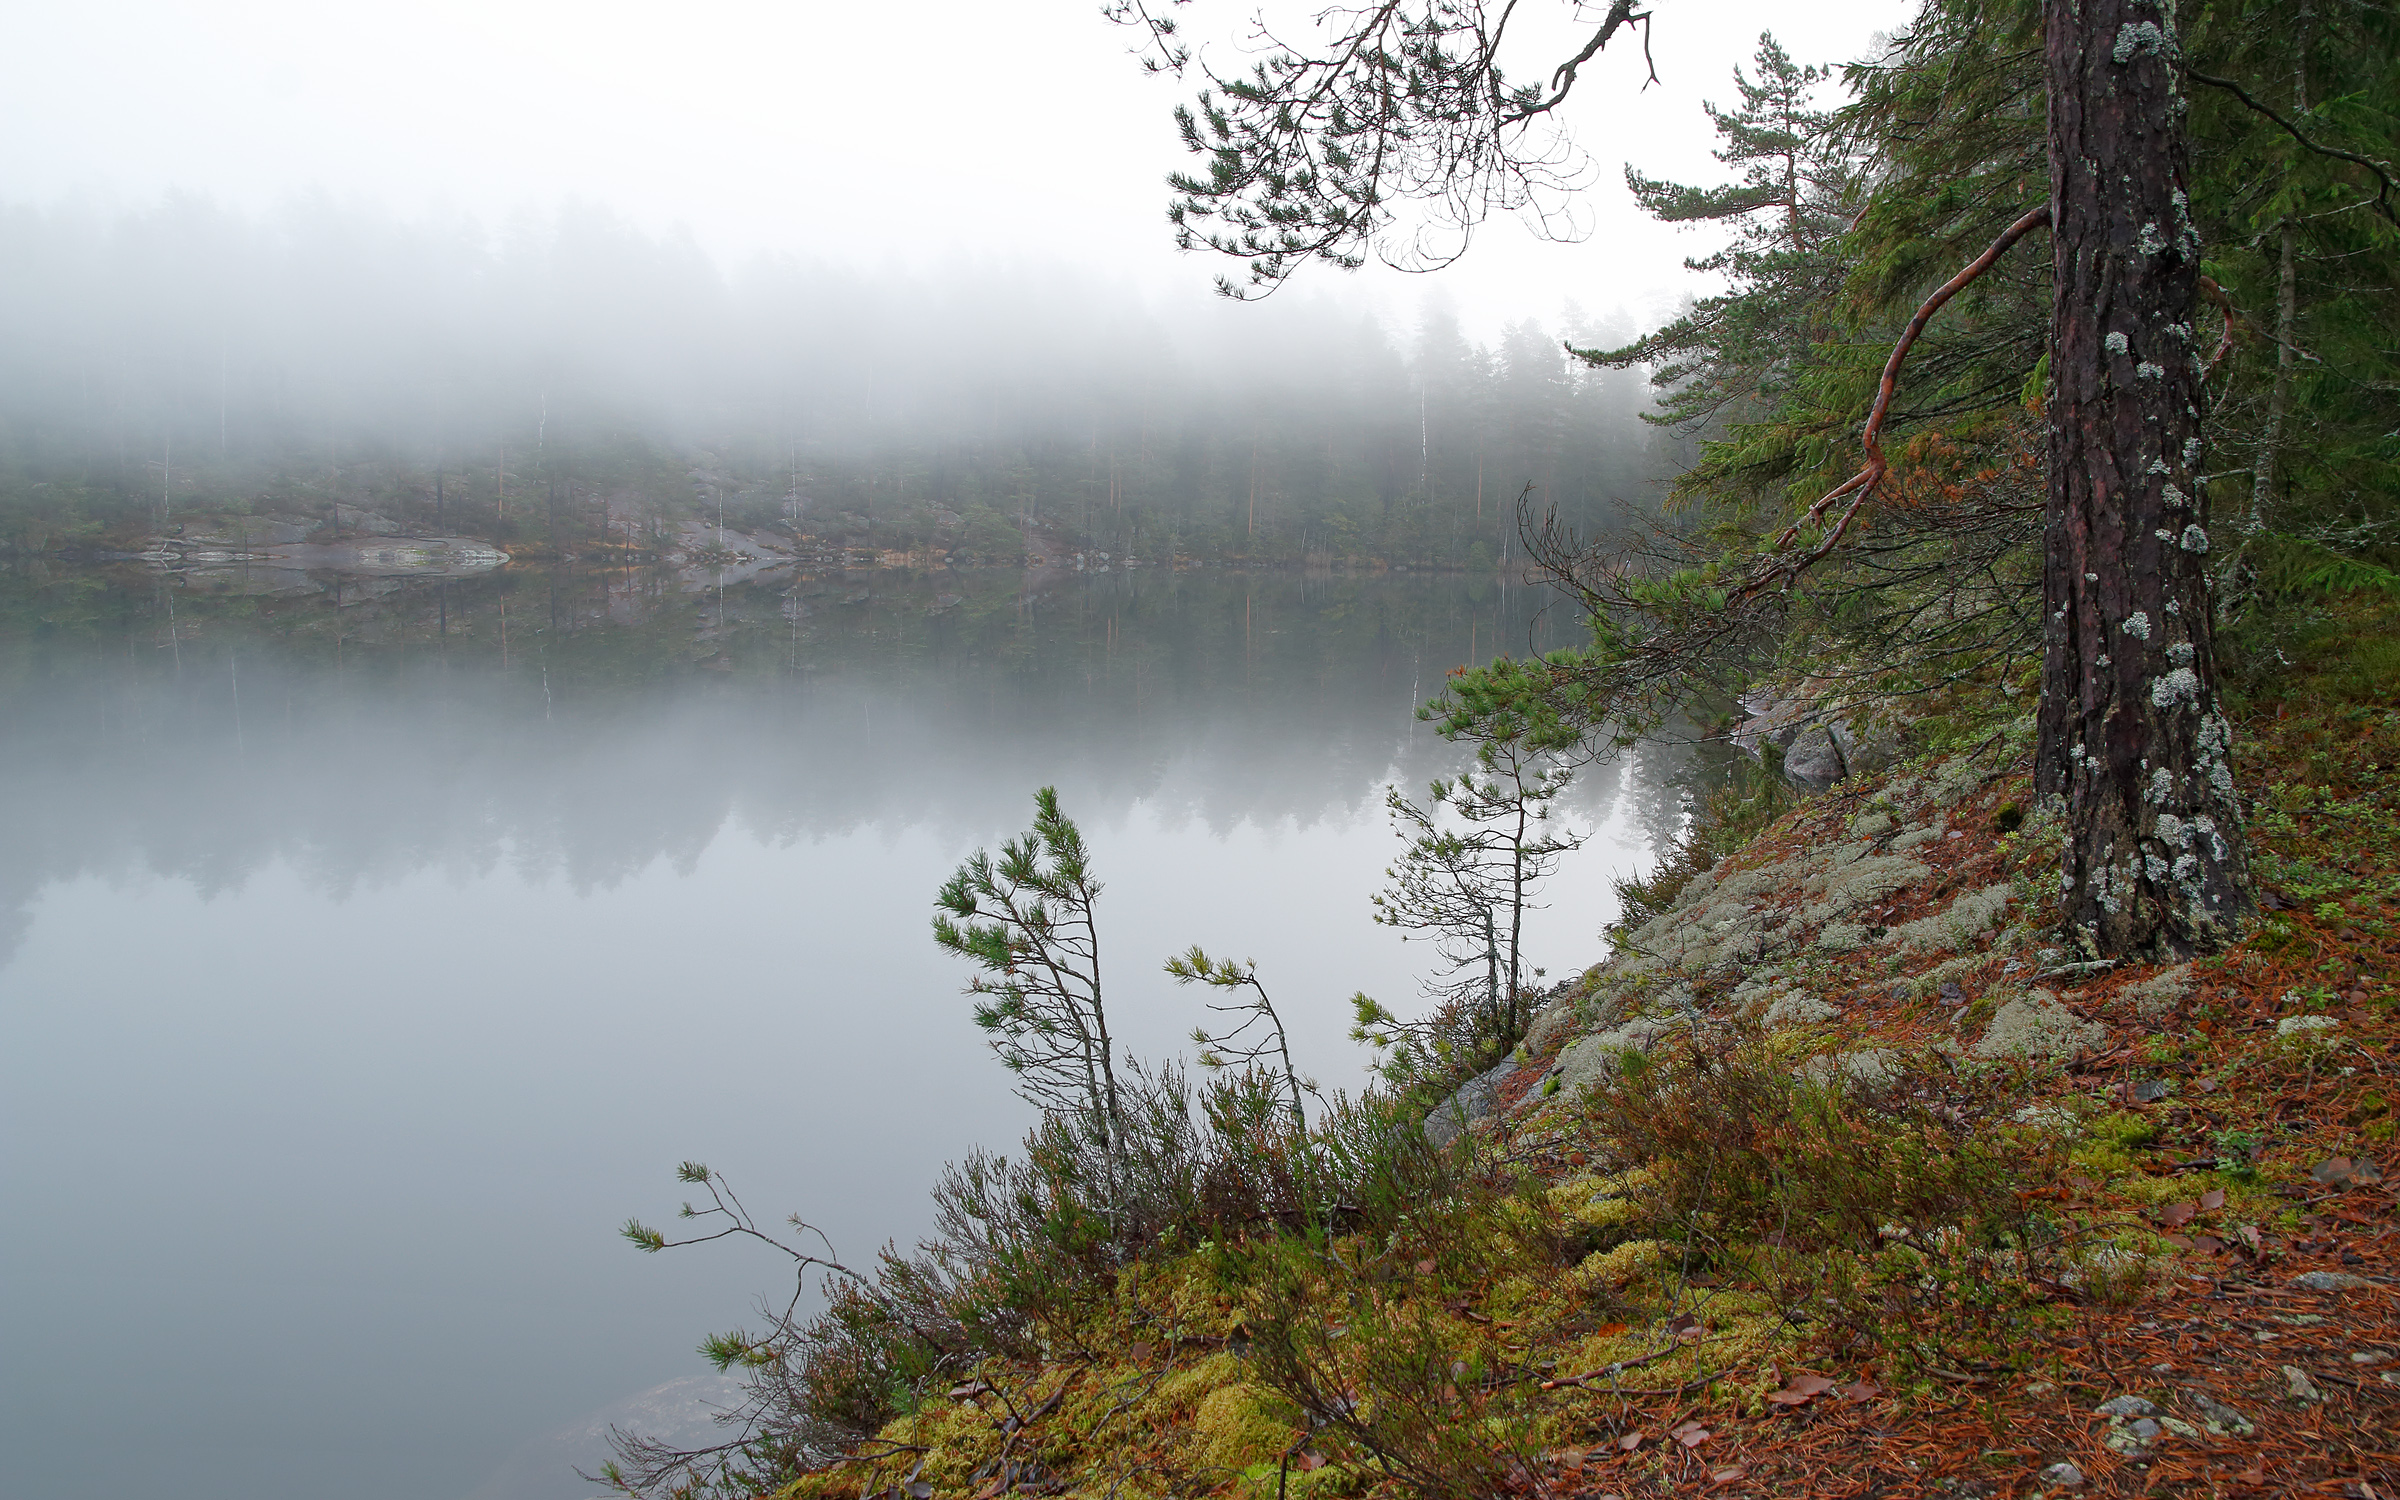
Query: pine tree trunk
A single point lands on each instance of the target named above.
(2131, 736)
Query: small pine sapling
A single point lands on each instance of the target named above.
(1224, 1049)
(1475, 852)
(1025, 920)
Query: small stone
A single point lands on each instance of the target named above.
(2127, 1406)
(2219, 1418)
(2144, 1429)
(2063, 1474)
(2303, 1025)
(2346, 1172)
(2302, 1388)
(2330, 1281)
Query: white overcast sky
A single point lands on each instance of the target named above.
(853, 131)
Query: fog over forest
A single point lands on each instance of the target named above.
(568, 381)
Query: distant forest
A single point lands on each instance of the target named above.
(572, 383)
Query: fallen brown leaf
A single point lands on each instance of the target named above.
(1800, 1390)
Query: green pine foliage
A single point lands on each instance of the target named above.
(1025, 920)
(1840, 218)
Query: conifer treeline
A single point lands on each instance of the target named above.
(1844, 215)
(573, 378)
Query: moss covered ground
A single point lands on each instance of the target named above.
(1970, 1214)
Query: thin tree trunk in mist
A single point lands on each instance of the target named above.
(1251, 537)
(2279, 400)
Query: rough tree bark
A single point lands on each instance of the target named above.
(2131, 736)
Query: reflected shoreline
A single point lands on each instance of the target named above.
(590, 721)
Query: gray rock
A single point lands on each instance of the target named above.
(2217, 1417)
(352, 520)
(1864, 754)
(2301, 1387)
(1814, 761)
(1773, 721)
(1592, 1058)
(2330, 1281)
(250, 531)
(2127, 1406)
(2063, 1474)
(1476, 1098)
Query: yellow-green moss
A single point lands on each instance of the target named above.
(1515, 1297)
(2102, 1159)
(1611, 1269)
(1187, 1386)
(1237, 1426)
(1260, 1481)
(1602, 1202)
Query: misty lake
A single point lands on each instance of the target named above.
(364, 963)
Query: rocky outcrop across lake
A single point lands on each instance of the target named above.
(276, 552)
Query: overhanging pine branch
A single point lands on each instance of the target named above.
(1859, 486)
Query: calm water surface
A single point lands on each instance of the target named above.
(365, 962)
